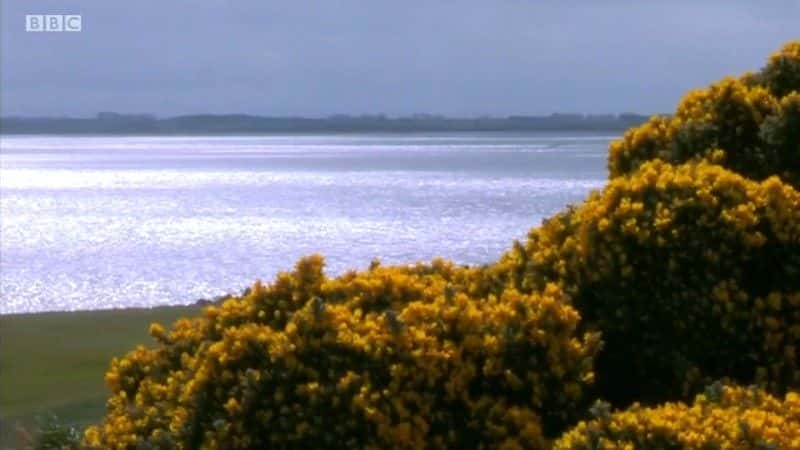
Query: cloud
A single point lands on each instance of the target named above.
(319, 58)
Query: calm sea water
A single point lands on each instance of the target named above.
(107, 222)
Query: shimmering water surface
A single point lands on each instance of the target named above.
(107, 222)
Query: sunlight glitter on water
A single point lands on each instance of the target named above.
(91, 223)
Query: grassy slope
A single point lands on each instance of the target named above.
(55, 362)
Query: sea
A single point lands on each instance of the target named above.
(99, 222)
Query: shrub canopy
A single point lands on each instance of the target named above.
(723, 418)
(676, 266)
(687, 264)
(389, 358)
(748, 125)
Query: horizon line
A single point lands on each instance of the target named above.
(110, 115)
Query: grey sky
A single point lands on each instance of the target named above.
(315, 58)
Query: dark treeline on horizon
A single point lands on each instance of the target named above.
(114, 123)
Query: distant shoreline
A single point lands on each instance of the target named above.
(224, 125)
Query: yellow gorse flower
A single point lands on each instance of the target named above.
(670, 263)
(748, 125)
(395, 357)
(724, 418)
(687, 265)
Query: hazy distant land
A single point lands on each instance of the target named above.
(114, 123)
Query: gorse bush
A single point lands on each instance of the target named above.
(722, 418)
(389, 358)
(781, 133)
(782, 72)
(690, 258)
(686, 266)
(691, 273)
(743, 124)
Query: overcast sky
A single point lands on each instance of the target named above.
(315, 58)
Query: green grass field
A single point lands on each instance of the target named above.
(55, 362)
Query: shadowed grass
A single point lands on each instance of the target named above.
(55, 362)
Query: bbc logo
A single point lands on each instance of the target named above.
(53, 22)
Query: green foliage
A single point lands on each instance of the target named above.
(52, 434)
(782, 72)
(781, 132)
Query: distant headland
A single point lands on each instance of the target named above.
(116, 123)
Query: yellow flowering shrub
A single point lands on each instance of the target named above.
(691, 273)
(394, 357)
(731, 123)
(781, 132)
(722, 418)
(686, 265)
(782, 72)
